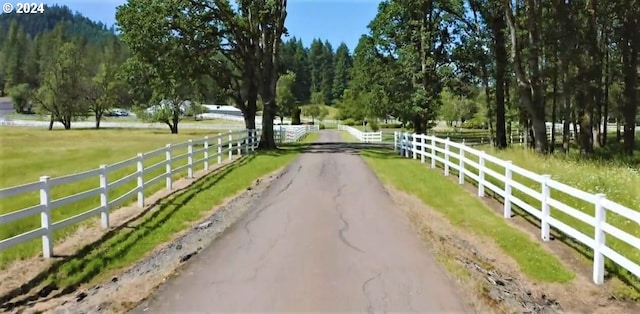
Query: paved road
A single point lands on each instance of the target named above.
(325, 238)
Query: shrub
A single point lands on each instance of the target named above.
(349, 122)
(373, 124)
(322, 127)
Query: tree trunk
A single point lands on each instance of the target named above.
(630, 50)
(51, 121)
(267, 140)
(98, 117)
(501, 61)
(296, 118)
(554, 101)
(175, 119)
(530, 89)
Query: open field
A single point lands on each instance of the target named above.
(29, 153)
(16, 116)
(466, 211)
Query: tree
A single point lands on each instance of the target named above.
(14, 53)
(20, 97)
(165, 55)
(284, 96)
(312, 111)
(530, 86)
(62, 93)
(343, 64)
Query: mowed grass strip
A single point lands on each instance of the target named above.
(617, 180)
(466, 211)
(125, 246)
(29, 153)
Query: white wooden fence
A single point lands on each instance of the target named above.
(213, 150)
(128, 125)
(439, 150)
(292, 133)
(365, 137)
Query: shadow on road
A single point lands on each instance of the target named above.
(330, 148)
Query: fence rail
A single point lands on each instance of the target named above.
(365, 137)
(292, 133)
(214, 148)
(442, 151)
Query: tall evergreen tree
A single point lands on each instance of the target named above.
(343, 65)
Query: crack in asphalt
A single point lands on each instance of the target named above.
(345, 223)
(263, 257)
(370, 306)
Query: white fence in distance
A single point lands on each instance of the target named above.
(428, 147)
(128, 125)
(364, 137)
(234, 142)
(292, 133)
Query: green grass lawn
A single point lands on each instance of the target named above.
(128, 245)
(619, 181)
(466, 211)
(29, 153)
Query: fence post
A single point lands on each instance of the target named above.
(433, 151)
(395, 141)
(206, 153)
(45, 218)
(140, 166)
(219, 149)
(104, 197)
(446, 157)
(599, 237)
(254, 139)
(481, 175)
(238, 145)
(461, 164)
(246, 142)
(230, 144)
(414, 144)
(508, 175)
(544, 222)
(282, 135)
(409, 145)
(190, 159)
(168, 172)
(423, 143)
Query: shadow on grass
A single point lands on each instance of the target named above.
(612, 269)
(83, 266)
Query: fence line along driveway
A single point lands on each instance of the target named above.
(364, 137)
(198, 152)
(439, 150)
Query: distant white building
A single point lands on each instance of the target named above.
(223, 109)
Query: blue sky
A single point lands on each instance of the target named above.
(334, 20)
